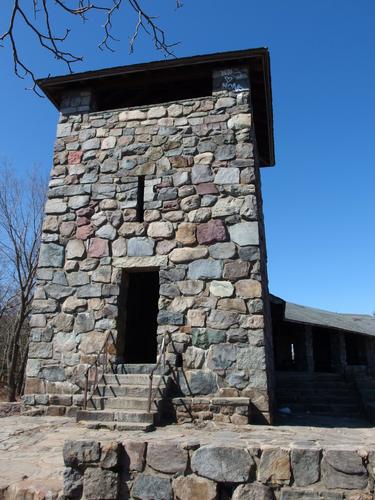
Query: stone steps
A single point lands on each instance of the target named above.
(126, 403)
(121, 400)
(129, 379)
(323, 394)
(130, 416)
(136, 369)
(130, 390)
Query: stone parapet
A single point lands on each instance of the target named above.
(234, 410)
(187, 470)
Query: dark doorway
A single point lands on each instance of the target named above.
(355, 349)
(322, 350)
(139, 326)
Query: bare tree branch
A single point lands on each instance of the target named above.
(38, 21)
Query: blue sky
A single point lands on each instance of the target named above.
(319, 199)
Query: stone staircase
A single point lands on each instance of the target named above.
(366, 389)
(326, 394)
(121, 400)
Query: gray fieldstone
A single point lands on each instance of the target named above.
(227, 175)
(221, 356)
(51, 255)
(250, 253)
(201, 173)
(76, 202)
(240, 121)
(253, 491)
(78, 453)
(73, 483)
(344, 469)
(222, 319)
(42, 350)
(305, 466)
(58, 292)
(225, 152)
(190, 287)
(107, 232)
(298, 494)
(150, 487)
(100, 484)
(179, 255)
(53, 373)
(84, 322)
(205, 269)
(75, 249)
(110, 455)
(223, 463)
(222, 250)
(227, 206)
(197, 382)
(142, 246)
(204, 337)
(168, 457)
(170, 318)
(134, 455)
(194, 487)
(55, 206)
(274, 467)
(221, 288)
(119, 247)
(244, 233)
(160, 230)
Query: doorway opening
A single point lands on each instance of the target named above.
(138, 311)
(322, 350)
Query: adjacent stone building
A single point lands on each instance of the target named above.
(154, 229)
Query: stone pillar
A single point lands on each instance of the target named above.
(309, 348)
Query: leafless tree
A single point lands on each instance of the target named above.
(21, 210)
(39, 16)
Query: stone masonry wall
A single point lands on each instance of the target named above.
(217, 471)
(202, 229)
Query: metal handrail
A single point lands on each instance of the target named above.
(96, 365)
(161, 357)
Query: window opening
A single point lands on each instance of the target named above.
(140, 198)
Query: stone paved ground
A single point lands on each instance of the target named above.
(31, 462)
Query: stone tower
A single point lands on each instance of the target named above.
(154, 229)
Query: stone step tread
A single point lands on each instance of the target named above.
(130, 390)
(128, 379)
(120, 426)
(122, 398)
(126, 368)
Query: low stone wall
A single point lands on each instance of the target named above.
(229, 410)
(188, 470)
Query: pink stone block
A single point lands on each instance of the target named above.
(74, 157)
(84, 232)
(98, 248)
(206, 188)
(211, 232)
